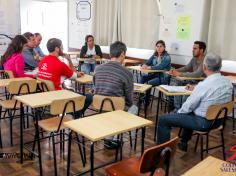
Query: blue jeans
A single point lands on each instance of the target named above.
(87, 68)
(151, 79)
(188, 123)
(87, 103)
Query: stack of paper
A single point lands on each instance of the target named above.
(175, 89)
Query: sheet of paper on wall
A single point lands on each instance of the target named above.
(183, 27)
(83, 10)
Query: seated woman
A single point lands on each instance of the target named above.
(90, 50)
(160, 60)
(13, 60)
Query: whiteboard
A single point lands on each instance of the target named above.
(80, 22)
(181, 24)
(9, 21)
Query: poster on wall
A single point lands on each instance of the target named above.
(80, 22)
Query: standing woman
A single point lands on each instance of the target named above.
(13, 60)
(160, 60)
(90, 50)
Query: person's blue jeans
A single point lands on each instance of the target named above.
(151, 79)
(188, 123)
(87, 68)
(87, 103)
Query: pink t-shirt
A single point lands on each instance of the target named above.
(16, 64)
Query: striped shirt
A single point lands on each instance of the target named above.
(215, 89)
(112, 79)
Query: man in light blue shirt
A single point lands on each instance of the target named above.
(215, 89)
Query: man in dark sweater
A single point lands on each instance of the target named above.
(194, 67)
(112, 79)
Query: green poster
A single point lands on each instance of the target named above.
(183, 27)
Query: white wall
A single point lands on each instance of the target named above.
(48, 18)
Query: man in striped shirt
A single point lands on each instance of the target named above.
(112, 79)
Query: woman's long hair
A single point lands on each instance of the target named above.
(15, 46)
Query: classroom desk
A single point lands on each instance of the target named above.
(139, 68)
(142, 89)
(85, 79)
(35, 101)
(73, 53)
(183, 78)
(162, 91)
(98, 60)
(104, 125)
(212, 167)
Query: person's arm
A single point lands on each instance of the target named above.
(164, 65)
(192, 101)
(67, 57)
(195, 74)
(187, 67)
(83, 52)
(98, 51)
(149, 61)
(29, 59)
(128, 88)
(19, 67)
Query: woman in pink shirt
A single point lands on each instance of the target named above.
(13, 60)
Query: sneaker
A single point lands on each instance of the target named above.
(183, 146)
(110, 144)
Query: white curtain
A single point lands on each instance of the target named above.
(135, 22)
(222, 29)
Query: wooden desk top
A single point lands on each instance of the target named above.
(211, 167)
(108, 124)
(45, 98)
(141, 88)
(73, 52)
(189, 78)
(232, 79)
(97, 60)
(85, 79)
(138, 68)
(165, 92)
(5, 82)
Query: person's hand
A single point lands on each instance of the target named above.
(37, 57)
(175, 73)
(189, 87)
(80, 74)
(66, 56)
(144, 66)
(96, 56)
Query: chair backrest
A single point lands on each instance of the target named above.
(158, 157)
(6, 74)
(219, 111)
(46, 85)
(107, 103)
(18, 87)
(63, 106)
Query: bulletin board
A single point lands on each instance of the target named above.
(181, 24)
(80, 22)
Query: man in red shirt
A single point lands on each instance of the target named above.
(51, 68)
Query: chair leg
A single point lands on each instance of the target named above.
(223, 143)
(201, 147)
(196, 144)
(54, 154)
(207, 143)
(135, 140)
(130, 140)
(84, 149)
(0, 127)
(11, 120)
(153, 95)
(80, 150)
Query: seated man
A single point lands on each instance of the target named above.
(30, 57)
(194, 67)
(37, 49)
(215, 89)
(51, 68)
(112, 79)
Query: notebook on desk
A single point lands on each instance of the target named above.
(137, 86)
(174, 89)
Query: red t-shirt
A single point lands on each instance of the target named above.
(51, 68)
